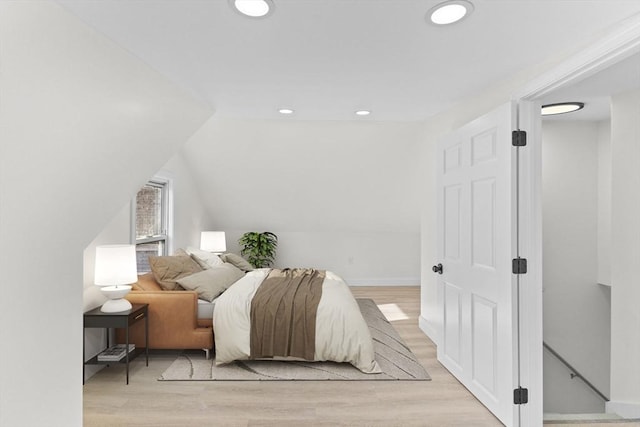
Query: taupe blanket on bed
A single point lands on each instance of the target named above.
(283, 314)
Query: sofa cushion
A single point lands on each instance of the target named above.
(212, 282)
(168, 269)
(237, 261)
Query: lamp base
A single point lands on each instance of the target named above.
(115, 306)
(116, 301)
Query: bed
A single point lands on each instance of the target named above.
(227, 289)
(341, 334)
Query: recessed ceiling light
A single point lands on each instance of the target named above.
(363, 112)
(449, 12)
(285, 111)
(561, 108)
(253, 8)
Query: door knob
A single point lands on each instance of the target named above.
(437, 268)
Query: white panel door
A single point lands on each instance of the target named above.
(476, 243)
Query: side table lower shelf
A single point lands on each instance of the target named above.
(132, 355)
(124, 319)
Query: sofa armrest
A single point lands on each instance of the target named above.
(173, 320)
(176, 308)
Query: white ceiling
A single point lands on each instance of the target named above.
(328, 58)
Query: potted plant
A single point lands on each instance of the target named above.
(259, 248)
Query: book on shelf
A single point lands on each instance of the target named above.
(115, 353)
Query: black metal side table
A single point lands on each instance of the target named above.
(123, 319)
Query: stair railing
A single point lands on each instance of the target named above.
(574, 372)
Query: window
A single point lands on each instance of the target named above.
(152, 220)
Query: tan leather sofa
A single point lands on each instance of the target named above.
(173, 318)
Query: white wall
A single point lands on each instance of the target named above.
(604, 202)
(339, 195)
(625, 255)
(189, 211)
(576, 309)
(77, 115)
(358, 257)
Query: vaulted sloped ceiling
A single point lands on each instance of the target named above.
(327, 58)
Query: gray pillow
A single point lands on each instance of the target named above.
(212, 282)
(236, 260)
(168, 269)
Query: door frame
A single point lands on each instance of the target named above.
(616, 46)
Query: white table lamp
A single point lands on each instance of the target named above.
(213, 241)
(115, 269)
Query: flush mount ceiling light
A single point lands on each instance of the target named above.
(561, 108)
(363, 112)
(449, 12)
(253, 8)
(285, 111)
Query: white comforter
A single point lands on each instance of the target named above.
(342, 335)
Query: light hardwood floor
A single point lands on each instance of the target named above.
(145, 401)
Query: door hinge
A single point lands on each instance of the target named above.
(519, 266)
(519, 138)
(520, 396)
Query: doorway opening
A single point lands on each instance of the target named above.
(583, 169)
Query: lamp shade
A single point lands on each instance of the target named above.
(213, 241)
(115, 265)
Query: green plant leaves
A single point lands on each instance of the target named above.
(259, 248)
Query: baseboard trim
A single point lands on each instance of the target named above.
(428, 329)
(624, 409)
(404, 281)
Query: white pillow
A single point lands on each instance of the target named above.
(205, 259)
